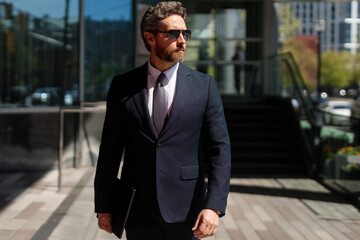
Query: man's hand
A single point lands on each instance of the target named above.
(206, 224)
(104, 222)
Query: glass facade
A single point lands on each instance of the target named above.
(38, 53)
(223, 43)
(220, 51)
(39, 73)
(109, 44)
(51, 58)
(39, 47)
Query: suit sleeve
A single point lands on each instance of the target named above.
(110, 152)
(218, 151)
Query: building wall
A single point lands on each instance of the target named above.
(39, 75)
(39, 66)
(341, 22)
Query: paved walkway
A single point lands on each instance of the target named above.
(31, 207)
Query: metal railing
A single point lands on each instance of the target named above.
(328, 135)
(80, 110)
(289, 84)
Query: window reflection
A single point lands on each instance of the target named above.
(39, 46)
(109, 44)
(38, 52)
(224, 46)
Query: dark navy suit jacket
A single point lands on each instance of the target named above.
(164, 169)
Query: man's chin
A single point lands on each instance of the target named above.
(175, 59)
(179, 57)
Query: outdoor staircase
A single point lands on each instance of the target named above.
(265, 138)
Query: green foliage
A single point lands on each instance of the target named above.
(349, 150)
(336, 69)
(306, 59)
(355, 76)
(289, 25)
(353, 167)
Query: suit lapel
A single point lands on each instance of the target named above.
(140, 99)
(183, 84)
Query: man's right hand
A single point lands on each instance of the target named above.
(104, 222)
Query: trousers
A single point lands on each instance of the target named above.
(155, 228)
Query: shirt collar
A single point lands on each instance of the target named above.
(170, 73)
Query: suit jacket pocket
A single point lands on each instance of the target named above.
(189, 172)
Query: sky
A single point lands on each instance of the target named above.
(97, 10)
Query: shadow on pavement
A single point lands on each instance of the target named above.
(288, 193)
(14, 184)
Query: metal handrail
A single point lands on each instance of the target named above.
(288, 58)
(299, 91)
(79, 110)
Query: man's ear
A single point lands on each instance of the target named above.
(150, 38)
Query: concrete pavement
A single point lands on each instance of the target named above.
(31, 207)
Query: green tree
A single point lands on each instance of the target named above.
(305, 56)
(336, 69)
(289, 25)
(355, 76)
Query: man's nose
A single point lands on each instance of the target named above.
(181, 38)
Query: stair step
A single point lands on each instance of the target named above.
(279, 137)
(256, 128)
(268, 169)
(255, 110)
(261, 118)
(266, 157)
(263, 139)
(273, 147)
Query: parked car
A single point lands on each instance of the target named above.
(340, 111)
(46, 96)
(355, 111)
(51, 96)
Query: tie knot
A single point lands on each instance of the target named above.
(161, 79)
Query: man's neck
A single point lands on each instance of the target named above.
(161, 65)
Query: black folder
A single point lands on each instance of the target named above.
(121, 207)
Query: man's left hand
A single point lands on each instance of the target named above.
(206, 224)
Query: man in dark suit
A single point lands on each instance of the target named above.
(161, 159)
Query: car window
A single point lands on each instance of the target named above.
(343, 107)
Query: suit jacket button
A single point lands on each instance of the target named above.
(159, 146)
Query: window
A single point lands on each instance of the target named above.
(109, 44)
(223, 44)
(39, 50)
(38, 53)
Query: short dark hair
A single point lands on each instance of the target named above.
(153, 16)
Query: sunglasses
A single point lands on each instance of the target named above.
(174, 34)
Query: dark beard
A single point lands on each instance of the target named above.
(168, 57)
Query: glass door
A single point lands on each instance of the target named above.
(226, 43)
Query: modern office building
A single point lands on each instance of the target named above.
(68, 52)
(58, 57)
(341, 22)
(352, 22)
(56, 54)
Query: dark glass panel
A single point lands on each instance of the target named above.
(225, 35)
(38, 53)
(109, 44)
(240, 78)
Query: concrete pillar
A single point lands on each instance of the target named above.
(227, 22)
(269, 43)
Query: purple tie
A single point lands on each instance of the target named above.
(159, 103)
